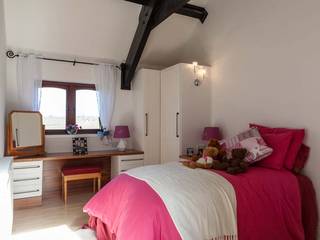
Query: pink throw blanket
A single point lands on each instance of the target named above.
(268, 207)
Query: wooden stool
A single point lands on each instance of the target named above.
(79, 173)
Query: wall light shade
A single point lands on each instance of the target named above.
(211, 133)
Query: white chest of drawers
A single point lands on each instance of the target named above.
(124, 163)
(27, 179)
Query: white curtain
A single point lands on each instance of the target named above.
(105, 80)
(29, 82)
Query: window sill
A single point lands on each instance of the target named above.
(63, 132)
(89, 135)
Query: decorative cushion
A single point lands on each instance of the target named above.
(252, 141)
(302, 158)
(296, 142)
(80, 170)
(280, 143)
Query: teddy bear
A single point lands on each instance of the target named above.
(209, 153)
(216, 157)
(237, 162)
(234, 164)
(206, 161)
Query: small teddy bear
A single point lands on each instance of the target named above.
(215, 157)
(237, 162)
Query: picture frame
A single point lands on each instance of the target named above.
(80, 145)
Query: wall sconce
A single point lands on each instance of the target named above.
(197, 72)
(196, 80)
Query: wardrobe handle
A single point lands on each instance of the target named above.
(147, 124)
(177, 125)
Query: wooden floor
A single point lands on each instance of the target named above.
(53, 213)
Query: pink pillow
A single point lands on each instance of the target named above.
(302, 158)
(280, 143)
(296, 142)
(252, 141)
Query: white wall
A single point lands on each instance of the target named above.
(2, 79)
(99, 29)
(64, 72)
(266, 66)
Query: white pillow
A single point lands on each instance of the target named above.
(252, 141)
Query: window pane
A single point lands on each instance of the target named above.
(87, 114)
(53, 107)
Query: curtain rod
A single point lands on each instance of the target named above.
(11, 54)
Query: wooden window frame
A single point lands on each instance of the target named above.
(71, 89)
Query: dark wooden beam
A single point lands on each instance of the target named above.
(194, 12)
(139, 42)
(166, 9)
(153, 13)
(142, 2)
(187, 10)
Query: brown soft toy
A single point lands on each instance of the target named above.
(206, 161)
(237, 162)
(214, 156)
(214, 143)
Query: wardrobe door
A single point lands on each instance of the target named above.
(170, 115)
(152, 117)
(138, 128)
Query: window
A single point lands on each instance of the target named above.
(69, 103)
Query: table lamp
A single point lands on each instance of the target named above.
(121, 132)
(211, 133)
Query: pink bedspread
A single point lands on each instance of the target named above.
(268, 204)
(130, 210)
(268, 207)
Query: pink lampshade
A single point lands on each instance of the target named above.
(211, 133)
(121, 132)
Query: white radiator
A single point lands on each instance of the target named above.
(6, 200)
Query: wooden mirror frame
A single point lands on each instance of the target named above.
(24, 151)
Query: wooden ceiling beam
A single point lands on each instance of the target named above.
(187, 10)
(139, 42)
(142, 2)
(153, 13)
(166, 9)
(194, 12)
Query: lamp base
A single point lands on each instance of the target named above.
(122, 145)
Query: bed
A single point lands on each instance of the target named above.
(173, 202)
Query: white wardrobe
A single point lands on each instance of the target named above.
(185, 109)
(170, 112)
(146, 117)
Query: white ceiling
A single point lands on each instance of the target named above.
(94, 28)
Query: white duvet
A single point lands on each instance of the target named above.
(201, 203)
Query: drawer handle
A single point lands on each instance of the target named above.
(30, 167)
(26, 179)
(34, 191)
(131, 160)
(123, 170)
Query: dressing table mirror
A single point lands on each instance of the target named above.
(25, 134)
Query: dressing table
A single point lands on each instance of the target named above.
(37, 175)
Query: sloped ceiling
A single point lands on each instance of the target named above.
(94, 28)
